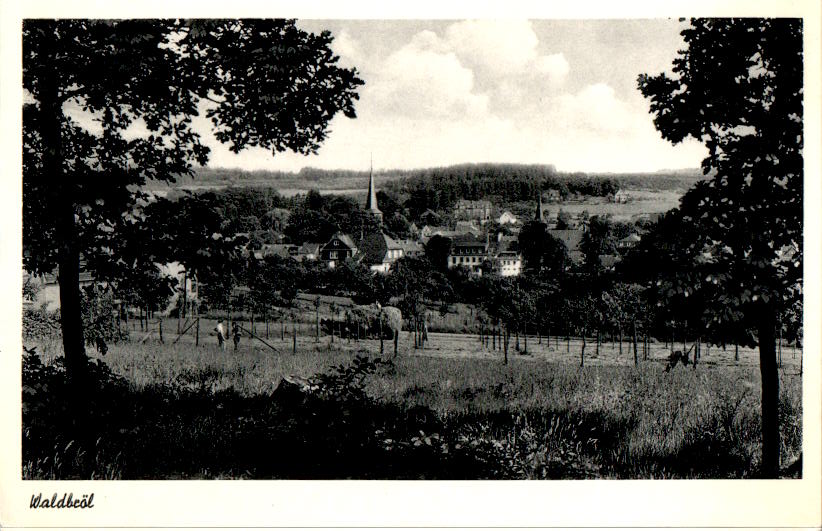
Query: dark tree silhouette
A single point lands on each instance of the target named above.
(737, 87)
(437, 250)
(264, 83)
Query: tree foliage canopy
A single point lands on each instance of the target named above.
(737, 87)
(111, 103)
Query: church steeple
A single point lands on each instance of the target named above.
(539, 216)
(371, 199)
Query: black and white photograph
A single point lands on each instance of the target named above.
(415, 249)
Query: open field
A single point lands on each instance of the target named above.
(541, 414)
(642, 202)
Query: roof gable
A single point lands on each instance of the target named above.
(570, 237)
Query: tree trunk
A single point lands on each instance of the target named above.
(736, 352)
(160, 328)
(779, 349)
(770, 395)
(71, 321)
(493, 340)
(598, 338)
(197, 332)
(293, 336)
(282, 328)
(396, 342)
(620, 339)
(525, 338)
(62, 186)
(582, 352)
(180, 306)
(516, 339)
(636, 354)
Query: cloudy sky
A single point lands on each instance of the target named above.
(559, 92)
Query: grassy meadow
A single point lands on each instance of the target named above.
(452, 411)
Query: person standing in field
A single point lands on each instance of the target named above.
(235, 334)
(221, 335)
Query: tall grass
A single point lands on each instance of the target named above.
(425, 416)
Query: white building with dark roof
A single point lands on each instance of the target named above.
(379, 252)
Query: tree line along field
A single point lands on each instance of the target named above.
(541, 415)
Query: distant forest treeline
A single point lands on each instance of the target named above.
(510, 182)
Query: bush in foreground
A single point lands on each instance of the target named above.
(333, 429)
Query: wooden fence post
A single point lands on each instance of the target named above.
(197, 333)
(381, 345)
(160, 323)
(507, 334)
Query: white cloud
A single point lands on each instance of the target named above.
(596, 109)
(504, 48)
(483, 91)
(347, 48)
(501, 46)
(418, 81)
(554, 65)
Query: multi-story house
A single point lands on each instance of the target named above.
(473, 210)
(469, 252)
(338, 249)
